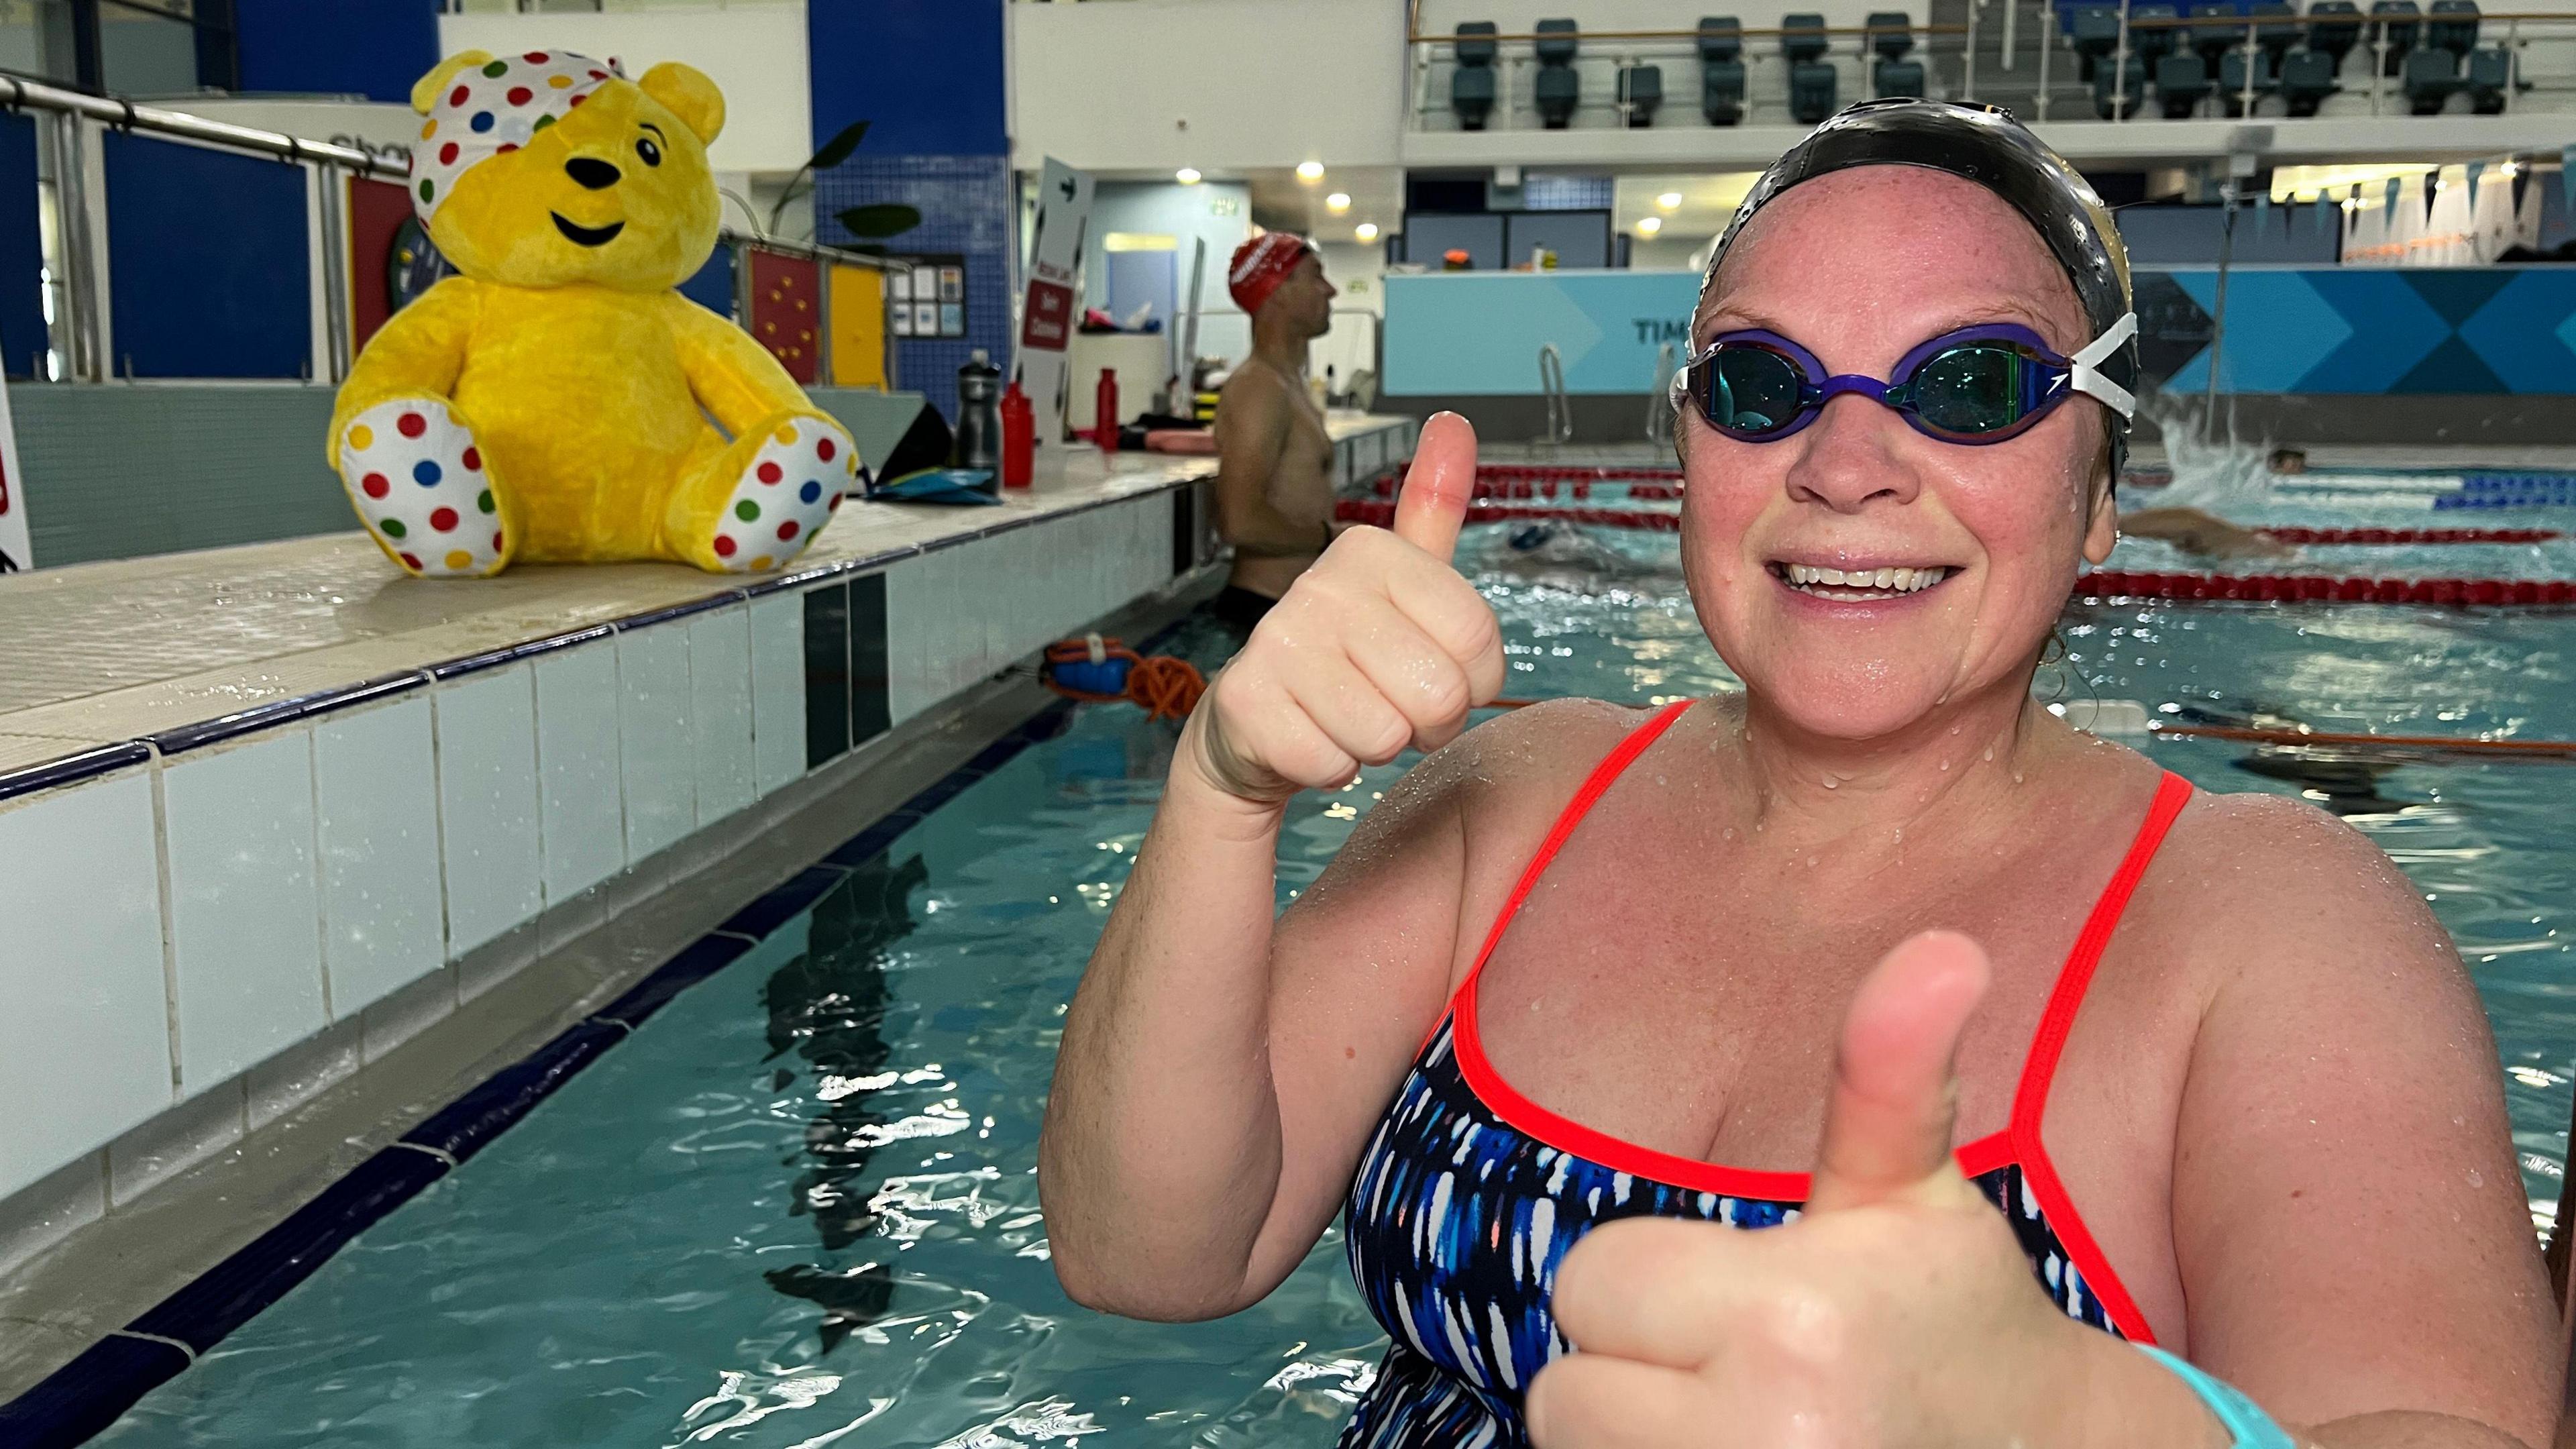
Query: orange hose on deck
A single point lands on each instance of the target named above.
(1165, 687)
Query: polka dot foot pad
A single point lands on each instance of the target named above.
(417, 480)
(785, 497)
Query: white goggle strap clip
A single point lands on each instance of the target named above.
(2087, 374)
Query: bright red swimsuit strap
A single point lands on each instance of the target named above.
(2030, 1100)
(1594, 785)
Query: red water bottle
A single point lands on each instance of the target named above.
(1019, 436)
(1104, 411)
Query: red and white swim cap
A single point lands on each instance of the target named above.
(488, 109)
(1261, 264)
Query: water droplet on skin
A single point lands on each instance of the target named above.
(1728, 833)
(2477, 1178)
(1832, 784)
(1990, 754)
(1945, 764)
(1811, 862)
(2016, 777)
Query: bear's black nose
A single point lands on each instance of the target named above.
(594, 174)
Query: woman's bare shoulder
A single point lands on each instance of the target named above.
(2257, 881)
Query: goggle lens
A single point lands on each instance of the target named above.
(1752, 391)
(1973, 389)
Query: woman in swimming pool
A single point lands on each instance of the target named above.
(2209, 1078)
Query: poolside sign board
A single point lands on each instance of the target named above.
(17, 553)
(1049, 308)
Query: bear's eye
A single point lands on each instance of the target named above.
(651, 153)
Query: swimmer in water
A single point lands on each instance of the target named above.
(1632, 1030)
(2202, 535)
(1556, 554)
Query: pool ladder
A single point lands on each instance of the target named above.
(1559, 427)
(1659, 402)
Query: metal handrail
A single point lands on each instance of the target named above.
(125, 115)
(87, 351)
(1551, 384)
(1757, 32)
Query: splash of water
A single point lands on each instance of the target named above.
(2224, 476)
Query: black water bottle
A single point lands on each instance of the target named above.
(979, 415)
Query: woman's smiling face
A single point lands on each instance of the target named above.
(1859, 266)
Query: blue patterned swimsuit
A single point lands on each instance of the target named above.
(1470, 1193)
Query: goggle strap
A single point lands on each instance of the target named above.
(2087, 377)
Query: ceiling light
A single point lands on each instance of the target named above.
(1669, 201)
(1187, 176)
(1649, 225)
(1310, 171)
(1366, 231)
(1339, 201)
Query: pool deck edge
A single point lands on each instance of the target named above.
(92, 1323)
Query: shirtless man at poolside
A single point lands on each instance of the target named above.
(1274, 489)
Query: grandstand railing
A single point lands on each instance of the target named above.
(1951, 53)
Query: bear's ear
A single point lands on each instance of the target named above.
(689, 94)
(424, 92)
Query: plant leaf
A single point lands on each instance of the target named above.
(889, 219)
(838, 149)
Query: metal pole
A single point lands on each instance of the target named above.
(2012, 15)
(2253, 57)
(2218, 314)
(88, 360)
(2120, 69)
(1968, 78)
(2047, 32)
(332, 203)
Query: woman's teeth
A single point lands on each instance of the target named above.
(1865, 582)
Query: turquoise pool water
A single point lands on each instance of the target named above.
(798, 1208)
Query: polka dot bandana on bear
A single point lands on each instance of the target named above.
(489, 109)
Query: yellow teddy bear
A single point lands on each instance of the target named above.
(552, 403)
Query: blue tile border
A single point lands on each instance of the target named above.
(73, 768)
(280, 713)
(447, 669)
(94, 1390)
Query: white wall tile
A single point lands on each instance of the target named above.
(909, 618)
(936, 589)
(720, 695)
(487, 804)
(778, 688)
(81, 973)
(245, 904)
(581, 820)
(656, 738)
(375, 778)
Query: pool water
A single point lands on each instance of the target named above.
(798, 1208)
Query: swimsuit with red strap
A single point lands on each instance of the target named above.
(1469, 1194)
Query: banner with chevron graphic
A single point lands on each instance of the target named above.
(2478, 331)
(2472, 330)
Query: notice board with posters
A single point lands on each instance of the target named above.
(926, 294)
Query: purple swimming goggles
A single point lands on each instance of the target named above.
(1976, 385)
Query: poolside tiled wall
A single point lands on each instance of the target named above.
(211, 928)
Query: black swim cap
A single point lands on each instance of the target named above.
(1987, 146)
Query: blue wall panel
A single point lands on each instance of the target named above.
(712, 286)
(207, 265)
(2323, 330)
(22, 252)
(373, 48)
(926, 75)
